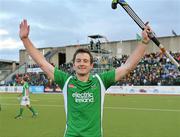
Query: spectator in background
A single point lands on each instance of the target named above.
(91, 44)
(98, 45)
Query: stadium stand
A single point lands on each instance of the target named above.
(154, 69)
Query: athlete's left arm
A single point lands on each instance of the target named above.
(135, 57)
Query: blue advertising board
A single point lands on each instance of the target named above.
(36, 89)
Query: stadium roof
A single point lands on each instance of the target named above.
(8, 61)
(97, 36)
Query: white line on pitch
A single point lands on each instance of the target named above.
(144, 109)
(115, 108)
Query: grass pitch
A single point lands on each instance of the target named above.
(124, 116)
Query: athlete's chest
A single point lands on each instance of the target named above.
(79, 92)
(81, 87)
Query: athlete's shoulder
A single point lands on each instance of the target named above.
(60, 73)
(108, 77)
(109, 73)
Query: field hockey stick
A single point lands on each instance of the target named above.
(142, 25)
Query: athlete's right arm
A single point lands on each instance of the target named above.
(33, 52)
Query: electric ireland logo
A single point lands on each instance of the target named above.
(85, 97)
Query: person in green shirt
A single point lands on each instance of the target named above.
(25, 100)
(83, 92)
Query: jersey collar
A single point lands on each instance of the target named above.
(90, 77)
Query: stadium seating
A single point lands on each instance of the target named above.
(153, 69)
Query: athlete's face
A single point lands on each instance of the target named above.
(82, 64)
(22, 81)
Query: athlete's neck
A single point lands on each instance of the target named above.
(83, 78)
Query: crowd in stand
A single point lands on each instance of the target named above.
(36, 65)
(35, 79)
(67, 67)
(154, 69)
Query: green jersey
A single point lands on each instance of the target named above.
(84, 102)
(25, 91)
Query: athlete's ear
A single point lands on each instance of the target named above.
(73, 65)
(92, 65)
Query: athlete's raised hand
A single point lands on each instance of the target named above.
(24, 29)
(145, 34)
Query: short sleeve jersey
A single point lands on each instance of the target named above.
(84, 102)
(25, 87)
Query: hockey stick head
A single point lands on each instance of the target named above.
(116, 2)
